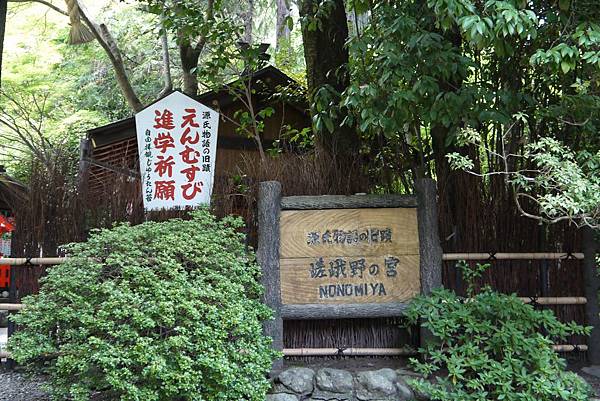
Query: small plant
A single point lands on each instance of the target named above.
(491, 347)
(156, 312)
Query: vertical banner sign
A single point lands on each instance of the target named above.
(177, 145)
(7, 225)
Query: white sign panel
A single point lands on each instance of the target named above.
(5, 242)
(177, 145)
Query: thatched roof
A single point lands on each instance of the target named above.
(11, 191)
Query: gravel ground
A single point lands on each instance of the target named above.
(17, 387)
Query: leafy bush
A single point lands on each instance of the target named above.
(159, 311)
(490, 347)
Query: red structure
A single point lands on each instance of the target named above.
(5, 227)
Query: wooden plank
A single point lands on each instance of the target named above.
(347, 202)
(336, 280)
(342, 311)
(349, 232)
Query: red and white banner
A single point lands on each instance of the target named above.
(177, 145)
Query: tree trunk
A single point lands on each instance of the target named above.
(592, 286)
(190, 54)
(122, 79)
(167, 79)
(109, 45)
(3, 10)
(248, 17)
(326, 65)
(189, 62)
(282, 29)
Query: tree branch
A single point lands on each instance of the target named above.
(46, 3)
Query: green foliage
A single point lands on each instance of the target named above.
(159, 311)
(569, 185)
(516, 74)
(491, 347)
(90, 76)
(59, 91)
(566, 184)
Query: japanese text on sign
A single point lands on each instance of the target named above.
(350, 237)
(177, 142)
(349, 256)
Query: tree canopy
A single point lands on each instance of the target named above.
(504, 89)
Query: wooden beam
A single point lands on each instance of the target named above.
(346, 202)
(342, 311)
(115, 169)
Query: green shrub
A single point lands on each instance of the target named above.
(159, 311)
(491, 346)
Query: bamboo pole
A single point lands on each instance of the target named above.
(11, 307)
(295, 352)
(31, 261)
(511, 256)
(569, 348)
(348, 352)
(446, 256)
(555, 300)
(369, 351)
(527, 300)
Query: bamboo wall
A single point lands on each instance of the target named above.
(474, 225)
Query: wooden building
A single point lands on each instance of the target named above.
(11, 192)
(110, 152)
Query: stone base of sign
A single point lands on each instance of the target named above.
(328, 384)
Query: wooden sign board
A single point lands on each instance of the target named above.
(349, 256)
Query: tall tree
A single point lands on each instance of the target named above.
(3, 11)
(81, 33)
(282, 28)
(248, 19)
(324, 33)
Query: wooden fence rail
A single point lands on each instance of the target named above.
(512, 256)
(13, 307)
(447, 256)
(296, 352)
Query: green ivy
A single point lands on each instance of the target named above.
(491, 347)
(155, 312)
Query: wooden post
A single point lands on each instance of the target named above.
(269, 210)
(592, 286)
(84, 165)
(429, 240)
(430, 248)
(12, 298)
